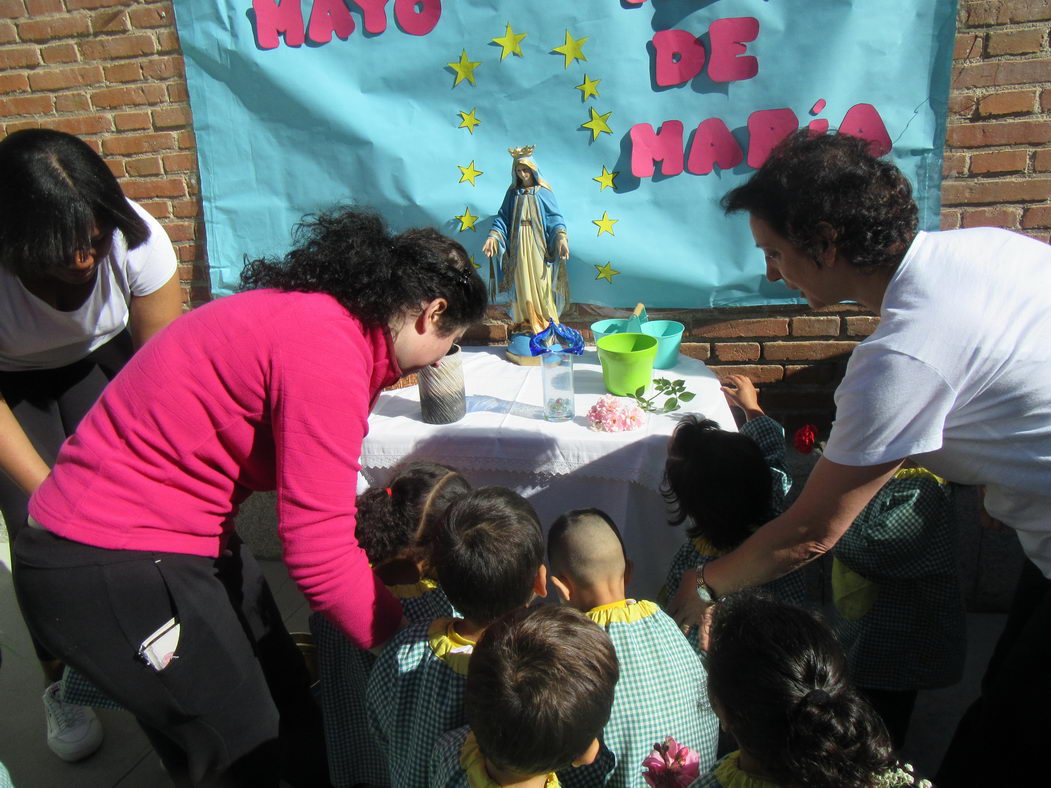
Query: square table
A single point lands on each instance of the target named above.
(504, 440)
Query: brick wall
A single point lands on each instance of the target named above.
(111, 71)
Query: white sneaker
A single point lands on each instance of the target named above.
(73, 732)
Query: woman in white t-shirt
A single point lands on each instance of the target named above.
(958, 376)
(86, 277)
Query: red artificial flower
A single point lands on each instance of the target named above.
(804, 438)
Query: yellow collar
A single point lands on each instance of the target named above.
(730, 775)
(449, 647)
(623, 612)
(917, 473)
(412, 590)
(705, 548)
(473, 762)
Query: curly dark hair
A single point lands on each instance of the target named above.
(350, 254)
(812, 183)
(55, 193)
(778, 676)
(718, 480)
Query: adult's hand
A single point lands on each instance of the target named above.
(689, 610)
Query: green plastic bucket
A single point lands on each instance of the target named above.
(669, 337)
(627, 362)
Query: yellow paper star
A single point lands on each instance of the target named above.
(467, 220)
(605, 224)
(588, 88)
(597, 124)
(464, 69)
(476, 265)
(468, 120)
(572, 50)
(510, 43)
(469, 173)
(605, 272)
(606, 179)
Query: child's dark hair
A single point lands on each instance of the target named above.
(778, 675)
(540, 688)
(389, 519)
(717, 479)
(55, 194)
(487, 552)
(349, 254)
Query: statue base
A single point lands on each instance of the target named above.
(518, 352)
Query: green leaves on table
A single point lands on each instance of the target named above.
(674, 391)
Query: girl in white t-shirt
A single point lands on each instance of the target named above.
(86, 276)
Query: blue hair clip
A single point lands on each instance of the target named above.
(557, 336)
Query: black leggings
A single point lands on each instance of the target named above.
(49, 404)
(233, 707)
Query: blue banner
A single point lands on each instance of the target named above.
(643, 113)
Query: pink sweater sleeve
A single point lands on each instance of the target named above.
(319, 410)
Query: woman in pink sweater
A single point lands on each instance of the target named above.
(132, 571)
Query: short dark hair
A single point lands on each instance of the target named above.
(779, 676)
(717, 479)
(390, 518)
(487, 552)
(349, 254)
(556, 535)
(540, 688)
(55, 192)
(832, 179)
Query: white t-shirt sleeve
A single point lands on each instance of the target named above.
(889, 406)
(151, 265)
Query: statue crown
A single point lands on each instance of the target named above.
(522, 153)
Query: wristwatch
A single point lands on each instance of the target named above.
(704, 591)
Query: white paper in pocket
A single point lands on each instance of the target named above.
(158, 649)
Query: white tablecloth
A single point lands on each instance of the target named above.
(505, 440)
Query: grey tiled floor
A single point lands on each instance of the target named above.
(126, 759)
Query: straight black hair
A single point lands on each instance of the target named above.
(55, 193)
(487, 552)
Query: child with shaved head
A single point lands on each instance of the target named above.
(662, 687)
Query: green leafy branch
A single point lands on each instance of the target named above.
(675, 391)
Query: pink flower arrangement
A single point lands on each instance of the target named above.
(612, 415)
(671, 765)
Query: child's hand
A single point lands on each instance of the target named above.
(740, 392)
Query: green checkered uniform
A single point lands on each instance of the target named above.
(726, 773)
(452, 759)
(79, 689)
(343, 669)
(770, 437)
(899, 611)
(662, 691)
(414, 695)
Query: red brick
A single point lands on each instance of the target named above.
(167, 41)
(192, 208)
(147, 165)
(110, 98)
(124, 72)
(757, 373)
(155, 187)
(42, 7)
(145, 16)
(54, 79)
(26, 105)
(1000, 216)
(962, 104)
(177, 92)
(950, 220)
(761, 327)
(110, 20)
(186, 231)
(1037, 216)
(86, 124)
(1015, 42)
(814, 374)
(163, 67)
(967, 45)
(1024, 11)
(996, 191)
(737, 351)
(1045, 100)
(132, 144)
(1023, 72)
(698, 350)
(980, 14)
(1012, 102)
(158, 209)
(171, 117)
(180, 162)
(65, 26)
(11, 9)
(116, 166)
(806, 351)
(113, 47)
(8, 33)
(19, 57)
(1042, 160)
(132, 121)
(13, 83)
(59, 53)
(815, 326)
(187, 252)
(999, 161)
(76, 5)
(193, 188)
(72, 102)
(861, 325)
(1012, 132)
(954, 164)
(974, 75)
(187, 140)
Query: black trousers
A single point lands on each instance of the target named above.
(49, 404)
(1003, 737)
(233, 707)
